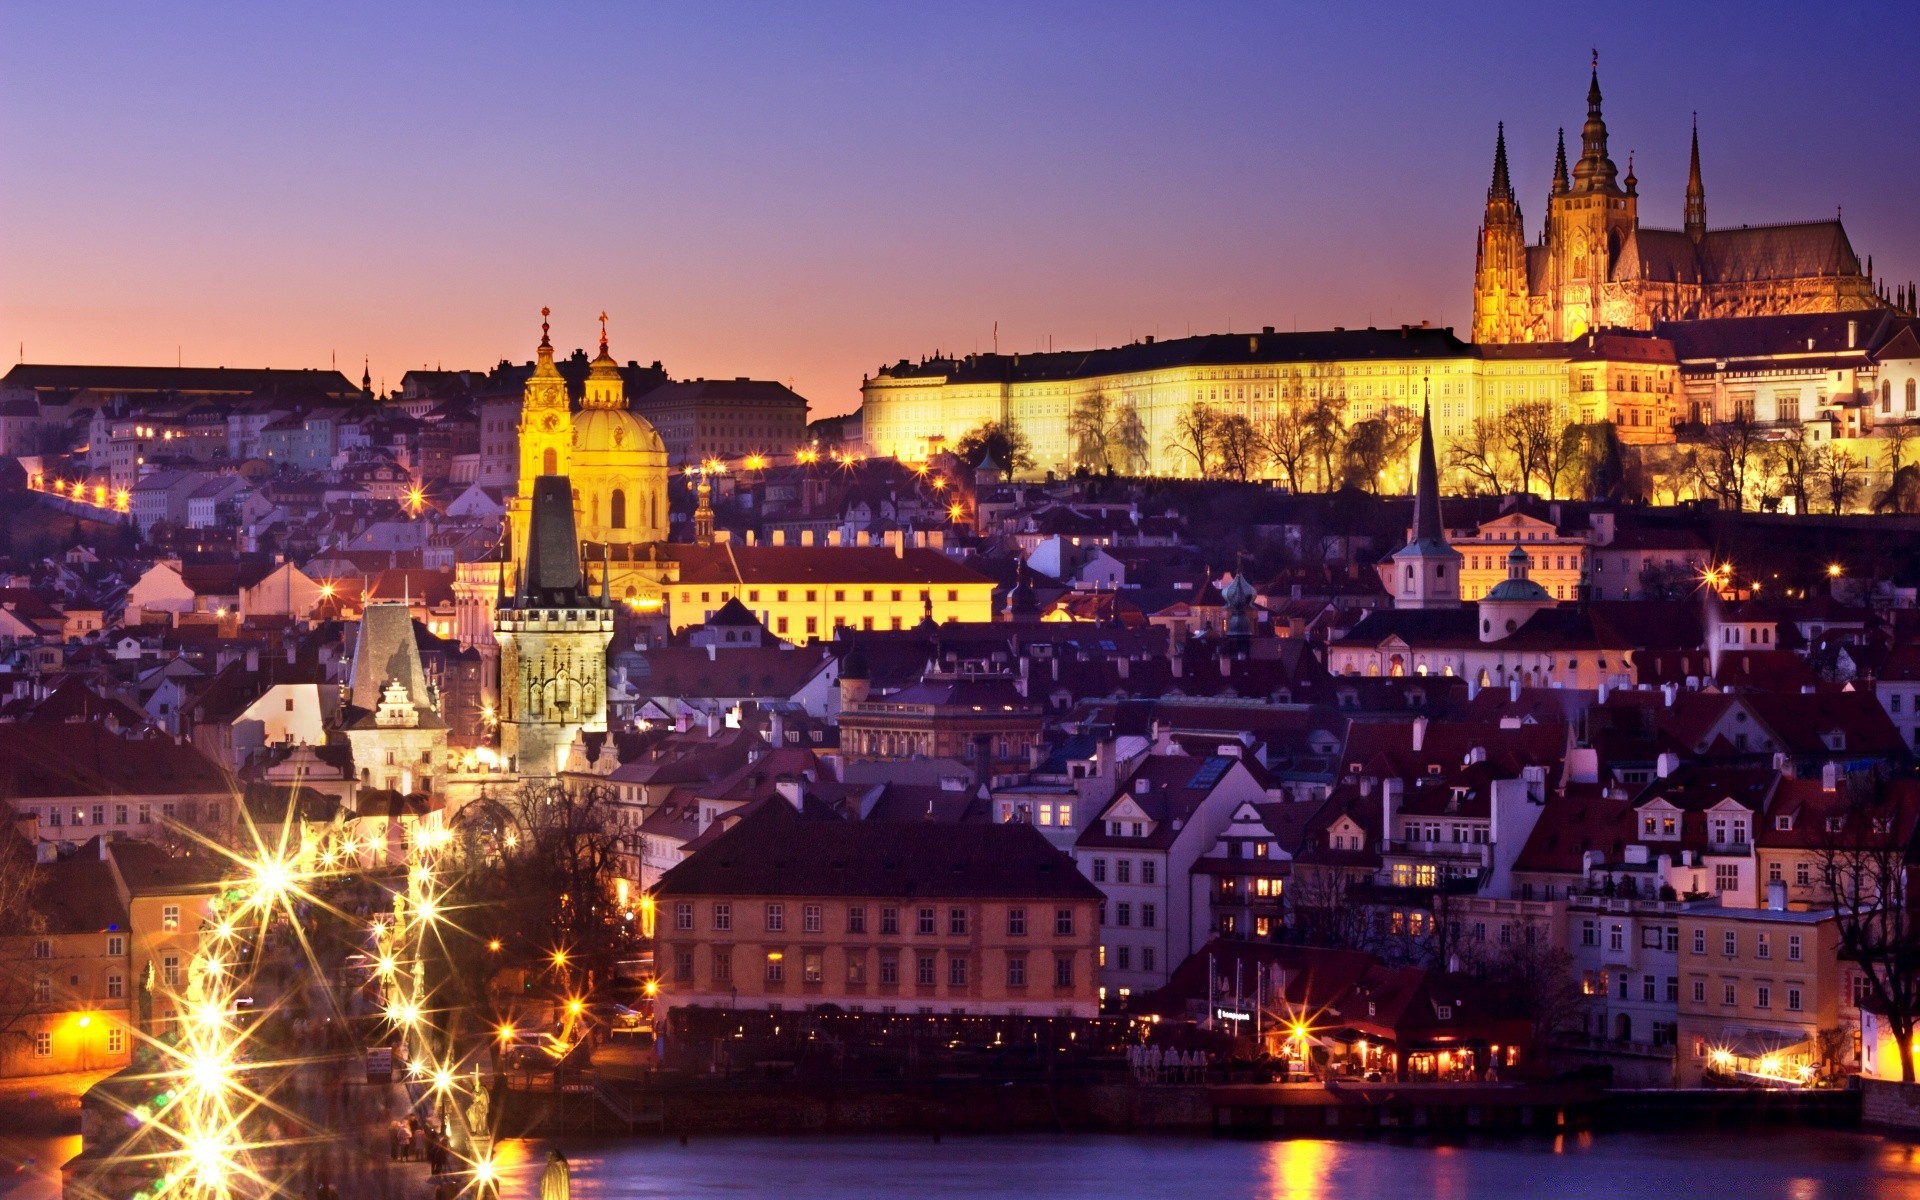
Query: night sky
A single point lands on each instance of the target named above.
(805, 192)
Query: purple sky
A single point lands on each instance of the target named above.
(806, 191)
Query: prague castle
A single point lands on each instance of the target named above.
(1596, 266)
(1602, 319)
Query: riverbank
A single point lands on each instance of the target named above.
(707, 1108)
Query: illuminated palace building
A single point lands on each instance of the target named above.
(1586, 320)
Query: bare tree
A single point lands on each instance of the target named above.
(1287, 440)
(1839, 473)
(1127, 441)
(1733, 450)
(1865, 858)
(1789, 461)
(1236, 447)
(1087, 426)
(20, 918)
(1196, 433)
(1482, 456)
(1531, 434)
(1326, 421)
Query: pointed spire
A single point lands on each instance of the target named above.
(1595, 171)
(1426, 494)
(1502, 186)
(546, 343)
(1560, 185)
(1696, 219)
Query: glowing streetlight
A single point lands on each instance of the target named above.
(1835, 570)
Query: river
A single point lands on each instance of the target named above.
(1763, 1165)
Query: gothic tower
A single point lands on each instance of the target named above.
(1426, 571)
(553, 634)
(1500, 259)
(1586, 226)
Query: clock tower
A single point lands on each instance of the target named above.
(546, 436)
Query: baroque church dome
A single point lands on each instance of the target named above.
(614, 431)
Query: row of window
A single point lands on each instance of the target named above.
(926, 922)
(813, 596)
(926, 968)
(1762, 994)
(1762, 944)
(56, 815)
(1122, 958)
(116, 947)
(1123, 869)
(43, 1042)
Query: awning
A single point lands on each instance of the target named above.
(1758, 1043)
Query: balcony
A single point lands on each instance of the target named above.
(1479, 852)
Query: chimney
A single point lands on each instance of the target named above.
(1777, 888)
(1513, 690)
(1473, 686)
(253, 660)
(104, 841)
(1668, 691)
(1122, 665)
(1853, 333)
(1142, 785)
(777, 728)
(713, 722)
(790, 790)
(777, 537)
(680, 721)
(1830, 777)
(1419, 733)
(1602, 697)
(1666, 764)
(46, 852)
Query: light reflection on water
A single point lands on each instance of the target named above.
(1765, 1165)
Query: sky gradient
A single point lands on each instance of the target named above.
(804, 192)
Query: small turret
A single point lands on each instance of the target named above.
(1595, 171)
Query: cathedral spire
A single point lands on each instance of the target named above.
(1595, 171)
(1502, 186)
(1426, 570)
(1560, 185)
(1696, 221)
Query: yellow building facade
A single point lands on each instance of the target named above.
(913, 411)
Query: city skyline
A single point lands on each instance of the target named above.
(807, 196)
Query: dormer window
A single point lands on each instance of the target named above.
(1783, 823)
(1835, 824)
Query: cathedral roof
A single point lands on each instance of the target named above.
(1729, 338)
(1748, 254)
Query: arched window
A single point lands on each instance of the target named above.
(1911, 387)
(550, 462)
(617, 510)
(1886, 396)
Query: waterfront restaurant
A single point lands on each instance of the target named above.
(1344, 1013)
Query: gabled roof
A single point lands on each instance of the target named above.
(775, 851)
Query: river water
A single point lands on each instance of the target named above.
(1765, 1165)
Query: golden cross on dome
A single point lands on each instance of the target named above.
(603, 330)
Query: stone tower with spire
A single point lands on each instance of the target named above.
(1500, 258)
(553, 632)
(1426, 571)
